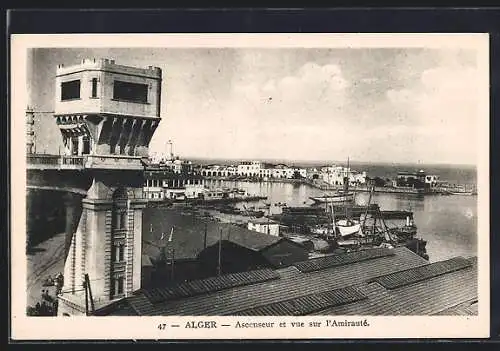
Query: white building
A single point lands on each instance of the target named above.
(253, 169)
(432, 180)
(264, 225)
(249, 168)
(334, 175)
(219, 171)
(153, 189)
(194, 191)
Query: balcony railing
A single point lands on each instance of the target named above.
(43, 159)
(36, 161)
(56, 161)
(73, 160)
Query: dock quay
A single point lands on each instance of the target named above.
(226, 200)
(169, 202)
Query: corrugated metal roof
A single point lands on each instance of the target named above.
(292, 284)
(308, 293)
(426, 297)
(469, 308)
(208, 285)
(342, 259)
(413, 275)
(141, 305)
(304, 305)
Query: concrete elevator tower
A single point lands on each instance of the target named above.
(107, 114)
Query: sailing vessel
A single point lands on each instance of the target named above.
(346, 228)
(337, 197)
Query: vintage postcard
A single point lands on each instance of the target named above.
(270, 186)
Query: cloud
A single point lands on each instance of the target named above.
(313, 92)
(441, 111)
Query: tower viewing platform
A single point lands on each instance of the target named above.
(107, 114)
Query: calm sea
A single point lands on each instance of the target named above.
(448, 223)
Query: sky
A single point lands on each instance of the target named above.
(368, 104)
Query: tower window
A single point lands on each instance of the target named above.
(132, 92)
(120, 220)
(70, 90)
(94, 87)
(117, 286)
(118, 253)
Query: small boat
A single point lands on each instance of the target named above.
(229, 210)
(340, 196)
(348, 227)
(467, 193)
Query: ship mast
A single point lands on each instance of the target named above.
(346, 189)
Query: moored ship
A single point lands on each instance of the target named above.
(338, 197)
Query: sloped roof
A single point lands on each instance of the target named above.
(254, 240)
(425, 297)
(189, 232)
(291, 284)
(348, 289)
(262, 220)
(468, 308)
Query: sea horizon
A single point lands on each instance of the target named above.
(453, 173)
(229, 160)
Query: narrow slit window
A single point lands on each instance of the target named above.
(94, 87)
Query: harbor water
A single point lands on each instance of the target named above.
(448, 223)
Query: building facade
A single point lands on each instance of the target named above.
(254, 169)
(416, 180)
(265, 226)
(107, 114)
(335, 175)
(162, 182)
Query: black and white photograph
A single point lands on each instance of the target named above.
(335, 179)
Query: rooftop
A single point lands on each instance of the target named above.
(351, 286)
(189, 232)
(262, 220)
(108, 65)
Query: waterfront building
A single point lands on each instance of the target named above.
(264, 225)
(432, 181)
(415, 180)
(164, 182)
(254, 169)
(249, 168)
(218, 171)
(334, 175)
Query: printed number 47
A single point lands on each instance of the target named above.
(162, 326)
